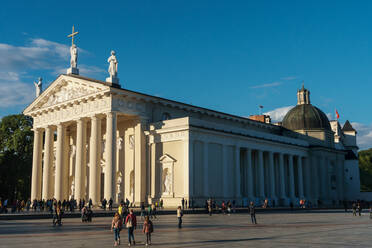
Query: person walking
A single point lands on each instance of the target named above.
(223, 207)
(104, 202)
(210, 207)
(252, 212)
(120, 210)
(131, 224)
(110, 204)
(57, 217)
(148, 228)
(354, 208)
(229, 208)
(116, 225)
(179, 216)
(359, 206)
(142, 210)
(183, 203)
(153, 210)
(149, 211)
(90, 203)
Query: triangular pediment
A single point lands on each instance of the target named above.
(166, 159)
(65, 89)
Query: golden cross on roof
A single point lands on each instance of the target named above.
(72, 35)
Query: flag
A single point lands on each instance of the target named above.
(337, 115)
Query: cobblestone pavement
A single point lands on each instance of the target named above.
(314, 229)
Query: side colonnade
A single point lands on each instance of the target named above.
(255, 174)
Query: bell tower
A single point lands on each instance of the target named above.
(303, 96)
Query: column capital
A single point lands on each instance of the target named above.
(82, 119)
(94, 117)
(111, 114)
(51, 127)
(61, 125)
(38, 129)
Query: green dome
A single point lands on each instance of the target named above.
(306, 117)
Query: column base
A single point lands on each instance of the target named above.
(284, 201)
(273, 200)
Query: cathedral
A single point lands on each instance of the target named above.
(95, 139)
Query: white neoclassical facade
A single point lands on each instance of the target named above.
(96, 140)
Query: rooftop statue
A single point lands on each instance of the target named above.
(113, 67)
(74, 56)
(38, 87)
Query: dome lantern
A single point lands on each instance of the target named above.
(303, 96)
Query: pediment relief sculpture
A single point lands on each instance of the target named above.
(69, 92)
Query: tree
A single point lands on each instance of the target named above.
(365, 168)
(16, 143)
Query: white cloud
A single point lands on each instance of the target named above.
(278, 113)
(273, 84)
(9, 76)
(15, 93)
(289, 78)
(36, 54)
(364, 135)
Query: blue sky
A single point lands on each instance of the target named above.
(230, 56)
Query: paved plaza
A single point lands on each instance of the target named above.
(274, 229)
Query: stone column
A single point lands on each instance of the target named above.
(260, 166)
(281, 176)
(65, 168)
(322, 187)
(188, 169)
(326, 179)
(80, 169)
(300, 178)
(237, 172)
(291, 178)
(48, 162)
(110, 150)
(58, 190)
(225, 168)
(250, 175)
(272, 175)
(36, 165)
(139, 163)
(307, 178)
(120, 195)
(315, 178)
(206, 169)
(94, 159)
(153, 170)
